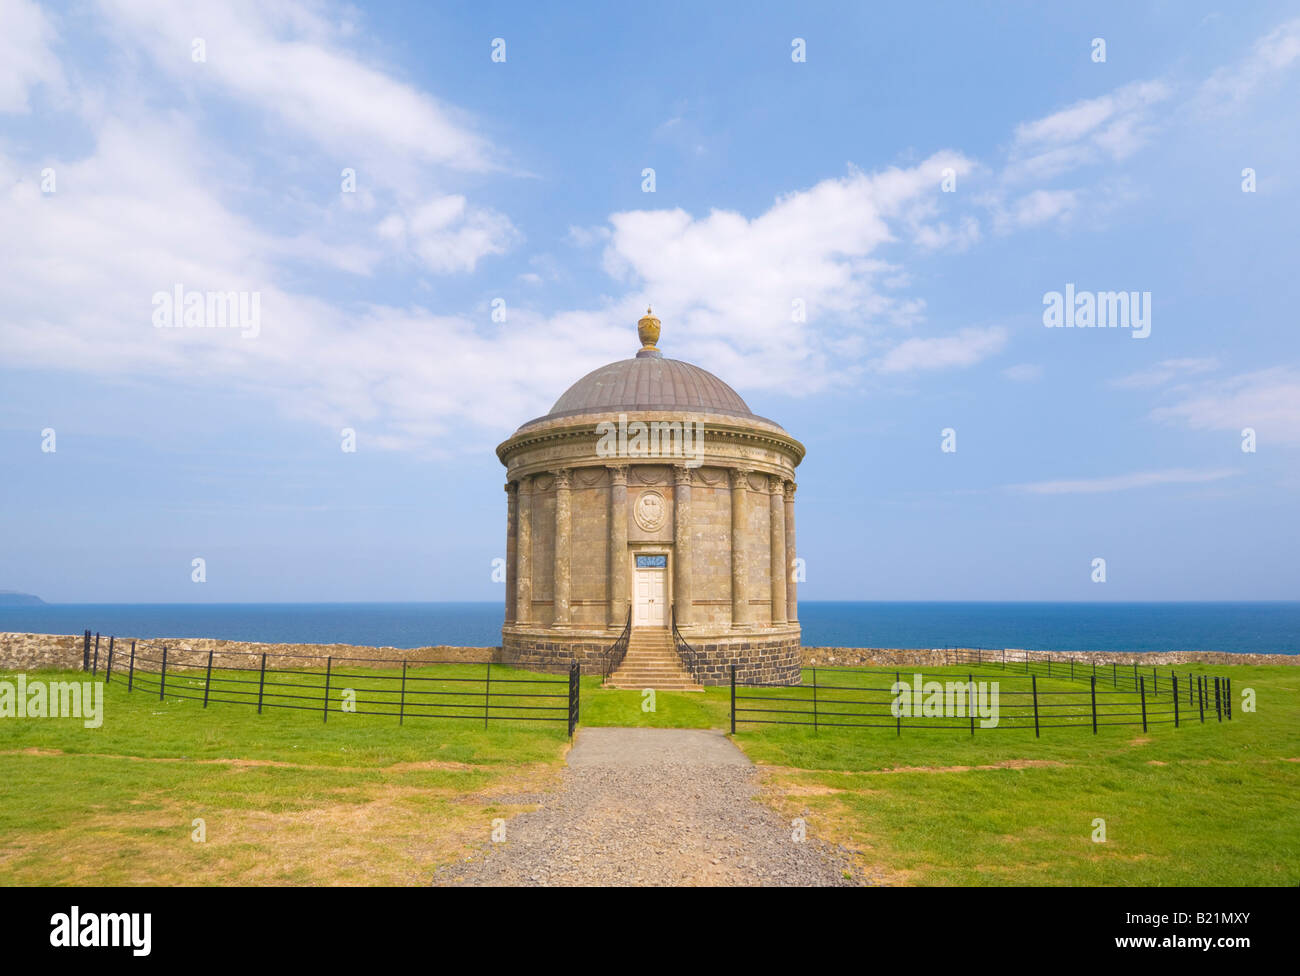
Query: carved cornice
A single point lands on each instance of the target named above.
(728, 433)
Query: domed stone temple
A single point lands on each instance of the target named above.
(651, 530)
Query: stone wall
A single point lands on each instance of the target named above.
(761, 659)
(30, 652)
(555, 655)
(884, 657)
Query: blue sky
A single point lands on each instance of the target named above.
(819, 181)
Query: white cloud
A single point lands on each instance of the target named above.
(448, 235)
(1267, 400)
(726, 284)
(26, 58)
(1023, 372)
(1124, 482)
(1032, 209)
(288, 59)
(1272, 54)
(1114, 126)
(967, 347)
(1165, 371)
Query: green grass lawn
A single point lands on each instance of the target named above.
(286, 798)
(1212, 804)
(360, 799)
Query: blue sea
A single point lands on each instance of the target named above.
(1132, 627)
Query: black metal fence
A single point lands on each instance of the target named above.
(911, 699)
(345, 685)
(1048, 664)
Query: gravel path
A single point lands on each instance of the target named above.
(653, 807)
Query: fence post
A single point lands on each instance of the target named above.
(733, 699)
(1094, 704)
(898, 718)
(1174, 675)
(207, 681)
(1034, 679)
(970, 701)
(95, 661)
(1049, 664)
(1114, 673)
(1218, 705)
(1200, 697)
(130, 675)
(1071, 669)
(108, 672)
(1155, 682)
(85, 652)
(329, 670)
(162, 685)
(1227, 697)
(575, 685)
(261, 684)
(1142, 690)
(487, 695)
(401, 705)
(814, 671)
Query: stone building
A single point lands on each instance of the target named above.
(651, 495)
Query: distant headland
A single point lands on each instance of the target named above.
(12, 598)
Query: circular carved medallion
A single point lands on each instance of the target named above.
(650, 510)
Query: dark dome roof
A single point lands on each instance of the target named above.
(649, 383)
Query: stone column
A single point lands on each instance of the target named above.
(512, 543)
(776, 486)
(791, 588)
(618, 581)
(740, 616)
(563, 547)
(524, 553)
(682, 544)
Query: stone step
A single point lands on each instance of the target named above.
(641, 672)
(655, 685)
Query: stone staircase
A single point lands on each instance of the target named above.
(652, 662)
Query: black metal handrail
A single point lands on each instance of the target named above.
(618, 650)
(684, 650)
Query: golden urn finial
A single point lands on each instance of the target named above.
(647, 330)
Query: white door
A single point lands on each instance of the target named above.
(651, 597)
